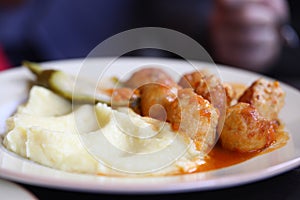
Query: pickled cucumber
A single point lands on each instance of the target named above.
(63, 84)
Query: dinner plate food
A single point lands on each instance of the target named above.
(144, 125)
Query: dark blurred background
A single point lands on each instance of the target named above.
(287, 68)
(54, 29)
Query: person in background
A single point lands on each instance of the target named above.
(240, 33)
(247, 33)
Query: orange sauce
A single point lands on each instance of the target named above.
(220, 157)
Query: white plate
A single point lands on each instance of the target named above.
(9, 190)
(14, 90)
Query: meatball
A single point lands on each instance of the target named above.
(209, 87)
(266, 96)
(245, 130)
(193, 80)
(194, 116)
(149, 75)
(154, 98)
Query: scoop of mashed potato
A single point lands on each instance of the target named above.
(96, 139)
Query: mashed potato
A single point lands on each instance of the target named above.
(96, 139)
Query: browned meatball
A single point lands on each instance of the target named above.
(193, 80)
(149, 75)
(209, 87)
(194, 116)
(266, 96)
(245, 130)
(154, 98)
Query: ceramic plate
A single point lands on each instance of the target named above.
(14, 90)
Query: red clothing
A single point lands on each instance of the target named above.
(4, 64)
